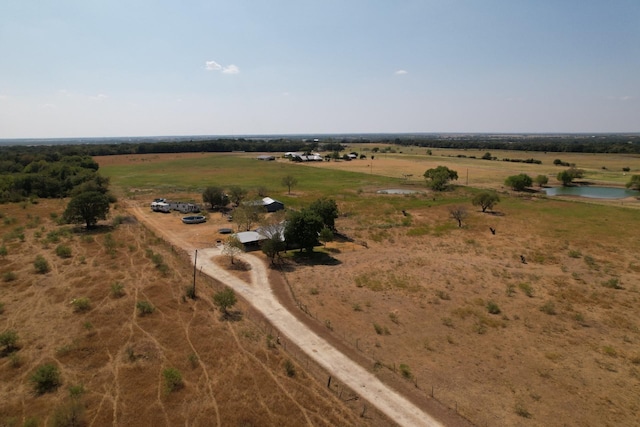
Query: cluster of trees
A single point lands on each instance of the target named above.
(23, 176)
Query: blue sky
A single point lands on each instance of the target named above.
(90, 68)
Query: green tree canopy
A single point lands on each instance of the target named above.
(327, 210)
(87, 207)
(237, 194)
(224, 300)
(634, 182)
(438, 178)
(567, 176)
(519, 182)
(215, 197)
(541, 180)
(486, 200)
(302, 229)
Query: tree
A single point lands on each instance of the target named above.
(327, 210)
(487, 156)
(46, 378)
(541, 180)
(302, 229)
(519, 182)
(326, 235)
(224, 300)
(273, 231)
(439, 177)
(459, 213)
(248, 214)
(634, 182)
(87, 207)
(237, 194)
(567, 176)
(289, 181)
(486, 200)
(215, 197)
(272, 246)
(232, 248)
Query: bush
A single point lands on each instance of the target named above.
(81, 304)
(493, 308)
(405, 371)
(612, 284)
(289, 368)
(46, 378)
(527, 289)
(41, 265)
(172, 379)
(63, 251)
(9, 276)
(117, 290)
(144, 308)
(9, 339)
(3, 251)
(549, 308)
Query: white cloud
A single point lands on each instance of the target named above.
(212, 66)
(99, 97)
(401, 72)
(231, 69)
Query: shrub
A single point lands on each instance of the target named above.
(63, 251)
(527, 289)
(1, 307)
(172, 379)
(9, 276)
(81, 304)
(117, 290)
(575, 254)
(493, 308)
(3, 251)
(144, 308)
(612, 284)
(549, 308)
(510, 290)
(405, 371)
(46, 378)
(41, 265)
(289, 368)
(190, 292)
(9, 339)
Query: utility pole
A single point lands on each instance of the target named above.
(195, 260)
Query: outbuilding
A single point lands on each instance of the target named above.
(272, 205)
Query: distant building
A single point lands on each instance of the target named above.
(271, 205)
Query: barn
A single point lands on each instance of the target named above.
(272, 205)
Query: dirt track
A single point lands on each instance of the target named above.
(259, 294)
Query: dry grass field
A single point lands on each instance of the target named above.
(441, 310)
(81, 316)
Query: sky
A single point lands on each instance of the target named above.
(109, 68)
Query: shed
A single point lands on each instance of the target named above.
(272, 205)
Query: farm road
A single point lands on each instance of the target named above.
(259, 294)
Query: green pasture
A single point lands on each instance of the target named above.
(356, 195)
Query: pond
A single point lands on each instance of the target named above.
(592, 192)
(397, 191)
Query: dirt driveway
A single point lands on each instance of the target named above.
(259, 294)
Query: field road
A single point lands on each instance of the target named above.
(259, 294)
